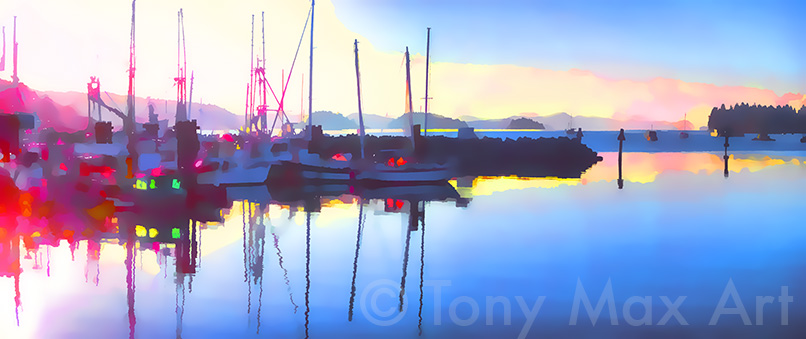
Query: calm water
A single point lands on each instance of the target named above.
(679, 233)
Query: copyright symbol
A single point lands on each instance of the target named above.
(381, 311)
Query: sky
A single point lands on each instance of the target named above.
(652, 60)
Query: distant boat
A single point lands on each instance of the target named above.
(571, 130)
(651, 135)
(764, 137)
(683, 134)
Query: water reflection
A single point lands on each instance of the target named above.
(355, 260)
(43, 221)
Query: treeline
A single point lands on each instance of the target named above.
(745, 118)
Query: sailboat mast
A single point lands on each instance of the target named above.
(427, 64)
(310, 79)
(360, 114)
(408, 97)
(250, 88)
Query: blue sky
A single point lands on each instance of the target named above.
(744, 43)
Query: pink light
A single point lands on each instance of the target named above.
(60, 142)
(157, 172)
(198, 163)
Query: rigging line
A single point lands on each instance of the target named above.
(264, 80)
(288, 80)
(112, 100)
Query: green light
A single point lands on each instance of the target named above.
(175, 184)
(175, 233)
(153, 185)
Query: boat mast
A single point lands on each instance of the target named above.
(310, 80)
(128, 125)
(14, 77)
(408, 97)
(685, 121)
(360, 115)
(427, 64)
(190, 95)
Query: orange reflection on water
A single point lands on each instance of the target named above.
(636, 167)
(644, 167)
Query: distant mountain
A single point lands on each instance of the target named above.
(50, 114)
(435, 121)
(330, 121)
(489, 124)
(505, 123)
(524, 123)
(372, 121)
(208, 116)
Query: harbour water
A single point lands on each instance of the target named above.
(681, 249)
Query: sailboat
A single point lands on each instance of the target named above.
(379, 170)
(651, 134)
(571, 130)
(399, 171)
(683, 134)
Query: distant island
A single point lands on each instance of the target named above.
(744, 118)
(333, 121)
(66, 111)
(525, 123)
(435, 121)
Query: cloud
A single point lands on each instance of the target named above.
(93, 40)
